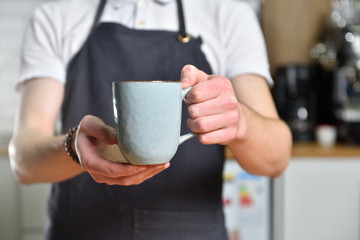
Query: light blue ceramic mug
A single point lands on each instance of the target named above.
(148, 117)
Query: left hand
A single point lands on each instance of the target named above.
(212, 105)
(95, 144)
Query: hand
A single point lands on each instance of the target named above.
(99, 155)
(212, 106)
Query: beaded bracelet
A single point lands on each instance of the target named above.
(68, 144)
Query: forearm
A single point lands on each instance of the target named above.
(263, 145)
(38, 157)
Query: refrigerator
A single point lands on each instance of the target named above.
(246, 203)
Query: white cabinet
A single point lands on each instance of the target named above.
(318, 198)
(9, 214)
(32, 205)
(246, 200)
(34, 236)
(22, 208)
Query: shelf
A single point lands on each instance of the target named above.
(4, 151)
(312, 149)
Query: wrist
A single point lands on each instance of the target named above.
(70, 144)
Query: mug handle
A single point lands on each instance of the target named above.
(189, 135)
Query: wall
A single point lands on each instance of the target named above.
(292, 28)
(14, 16)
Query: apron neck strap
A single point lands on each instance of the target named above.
(182, 28)
(98, 14)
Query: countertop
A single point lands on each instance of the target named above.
(310, 149)
(313, 149)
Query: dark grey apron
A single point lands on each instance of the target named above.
(184, 201)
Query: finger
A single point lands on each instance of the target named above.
(200, 93)
(92, 161)
(95, 127)
(133, 179)
(152, 172)
(204, 109)
(190, 76)
(113, 170)
(213, 106)
(222, 136)
(213, 122)
(214, 87)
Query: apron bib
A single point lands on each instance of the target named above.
(184, 201)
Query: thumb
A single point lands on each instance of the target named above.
(191, 76)
(94, 127)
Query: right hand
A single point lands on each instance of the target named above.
(99, 155)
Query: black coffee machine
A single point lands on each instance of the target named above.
(346, 90)
(295, 95)
(346, 98)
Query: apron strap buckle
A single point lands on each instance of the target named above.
(184, 39)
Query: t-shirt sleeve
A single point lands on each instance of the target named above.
(243, 41)
(41, 48)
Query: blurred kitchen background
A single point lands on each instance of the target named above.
(314, 53)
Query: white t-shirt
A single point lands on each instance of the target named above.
(232, 38)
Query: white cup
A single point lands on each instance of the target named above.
(326, 135)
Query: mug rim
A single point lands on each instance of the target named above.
(146, 81)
